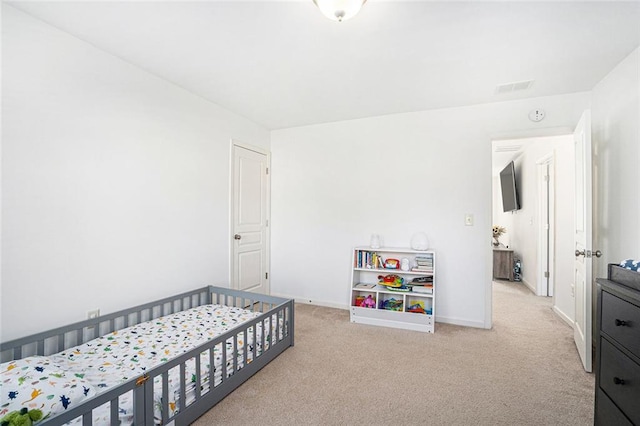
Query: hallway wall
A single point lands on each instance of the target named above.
(523, 225)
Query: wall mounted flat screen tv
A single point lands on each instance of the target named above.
(510, 199)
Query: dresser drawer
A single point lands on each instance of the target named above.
(620, 379)
(621, 320)
(606, 413)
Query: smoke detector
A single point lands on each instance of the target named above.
(536, 115)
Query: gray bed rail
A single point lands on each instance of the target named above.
(62, 338)
(277, 316)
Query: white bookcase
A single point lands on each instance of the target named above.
(387, 307)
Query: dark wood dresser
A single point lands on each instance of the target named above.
(618, 348)
(502, 263)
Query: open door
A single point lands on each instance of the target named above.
(546, 226)
(583, 268)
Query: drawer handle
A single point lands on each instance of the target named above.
(621, 323)
(618, 381)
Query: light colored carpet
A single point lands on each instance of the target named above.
(525, 371)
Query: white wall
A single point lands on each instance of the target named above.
(115, 183)
(616, 147)
(335, 184)
(523, 225)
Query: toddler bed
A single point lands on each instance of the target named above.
(164, 362)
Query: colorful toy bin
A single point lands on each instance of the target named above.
(367, 301)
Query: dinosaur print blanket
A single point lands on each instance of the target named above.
(56, 382)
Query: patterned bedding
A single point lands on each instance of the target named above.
(56, 382)
(631, 264)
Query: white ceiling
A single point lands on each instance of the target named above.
(283, 64)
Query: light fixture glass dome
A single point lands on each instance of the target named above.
(339, 10)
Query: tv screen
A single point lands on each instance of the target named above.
(510, 200)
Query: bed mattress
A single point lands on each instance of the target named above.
(56, 382)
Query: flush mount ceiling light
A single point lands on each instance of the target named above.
(339, 10)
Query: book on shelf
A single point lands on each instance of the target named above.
(426, 289)
(363, 259)
(364, 286)
(422, 269)
(375, 262)
(426, 279)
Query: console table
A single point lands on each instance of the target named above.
(502, 263)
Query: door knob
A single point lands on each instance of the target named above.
(579, 253)
(597, 253)
(237, 237)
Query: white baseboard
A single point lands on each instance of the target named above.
(529, 286)
(313, 302)
(563, 316)
(445, 320)
(458, 321)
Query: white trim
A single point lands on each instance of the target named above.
(564, 317)
(322, 303)
(260, 150)
(552, 230)
(546, 248)
(529, 286)
(488, 289)
(313, 302)
(439, 319)
(462, 322)
(547, 158)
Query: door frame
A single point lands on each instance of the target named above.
(234, 145)
(546, 237)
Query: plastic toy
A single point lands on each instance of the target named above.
(391, 280)
(23, 417)
(368, 302)
(401, 288)
(392, 264)
(417, 307)
(392, 305)
(517, 270)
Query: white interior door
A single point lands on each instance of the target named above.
(583, 280)
(250, 236)
(546, 226)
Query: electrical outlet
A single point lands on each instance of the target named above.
(468, 219)
(93, 314)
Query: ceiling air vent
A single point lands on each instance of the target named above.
(513, 87)
(507, 148)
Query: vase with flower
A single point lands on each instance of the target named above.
(497, 232)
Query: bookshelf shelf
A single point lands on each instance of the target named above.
(410, 306)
